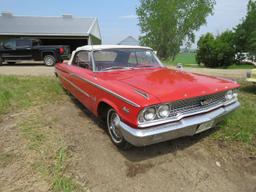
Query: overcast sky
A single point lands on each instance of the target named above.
(118, 18)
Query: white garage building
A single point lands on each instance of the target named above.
(63, 30)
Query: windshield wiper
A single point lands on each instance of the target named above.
(146, 66)
(115, 67)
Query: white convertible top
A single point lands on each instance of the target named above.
(101, 47)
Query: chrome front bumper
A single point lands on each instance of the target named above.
(184, 127)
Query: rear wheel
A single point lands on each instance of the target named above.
(49, 60)
(113, 126)
(1, 60)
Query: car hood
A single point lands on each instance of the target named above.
(168, 85)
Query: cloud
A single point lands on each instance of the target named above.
(129, 17)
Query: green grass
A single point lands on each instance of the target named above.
(23, 92)
(62, 183)
(32, 128)
(189, 60)
(41, 139)
(241, 66)
(55, 173)
(241, 125)
(185, 58)
(30, 94)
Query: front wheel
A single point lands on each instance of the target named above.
(113, 125)
(49, 60)
(1, 61)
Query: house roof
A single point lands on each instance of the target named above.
(129, 41)
(65, 25)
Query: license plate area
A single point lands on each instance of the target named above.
(204, 126)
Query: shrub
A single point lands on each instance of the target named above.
(216, 51)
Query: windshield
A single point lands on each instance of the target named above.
(114, 59)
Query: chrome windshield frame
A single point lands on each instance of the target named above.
(151, 50)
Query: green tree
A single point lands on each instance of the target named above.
(167, 24)
(216, 51)
(205, 49)
(245, 36)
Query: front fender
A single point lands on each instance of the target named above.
(108, 102)
(127, 113)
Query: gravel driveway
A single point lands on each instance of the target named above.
(38, 70)
(34, 70)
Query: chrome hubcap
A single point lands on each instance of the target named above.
(113, 126)
(49, 60)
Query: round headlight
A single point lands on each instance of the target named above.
(149, 114)
(163, 111)
(229, 95)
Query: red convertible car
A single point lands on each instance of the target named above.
(141, 101)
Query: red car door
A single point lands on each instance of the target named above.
(79, 78)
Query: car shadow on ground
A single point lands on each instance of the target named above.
(137, 154)
(84, 110)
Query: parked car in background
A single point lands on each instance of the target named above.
(14, 50)
(251, 76)
(140, 101)
(245, 58)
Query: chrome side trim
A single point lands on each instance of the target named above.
(78, 88)
(107, 90)
(181, 116)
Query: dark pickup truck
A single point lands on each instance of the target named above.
(14, 50)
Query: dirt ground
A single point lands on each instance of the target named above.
(187, 164)
(196, 163)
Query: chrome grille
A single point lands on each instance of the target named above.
(197, 104)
